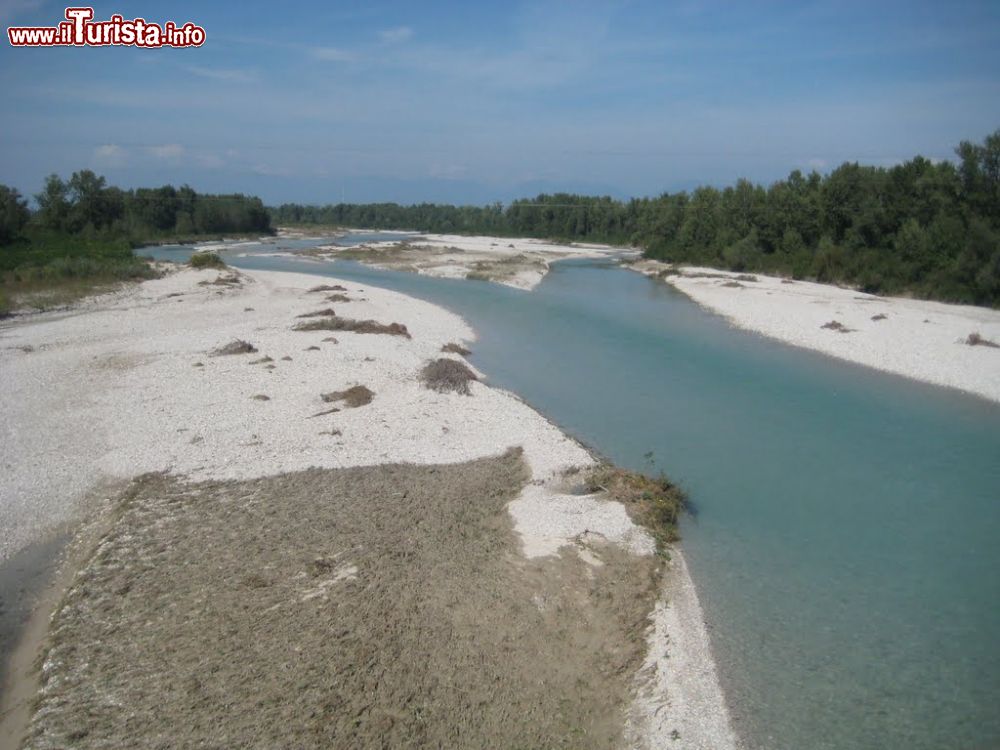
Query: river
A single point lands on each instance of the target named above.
(845, 542)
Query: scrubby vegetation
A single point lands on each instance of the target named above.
(656, 504)
(454, 348)
(976, 339)
(206, 260)
(82, 235)
(328, 288)
(337, 323)
(925, 228)
(448, 375)
(353, 397)
(237, 346)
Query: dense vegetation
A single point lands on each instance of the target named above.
(930, 229)
(84, 231)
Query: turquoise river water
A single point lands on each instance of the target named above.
(845, 545)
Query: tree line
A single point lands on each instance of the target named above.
(86, 208)
(84, 230)
(86, 204)
(926, 228)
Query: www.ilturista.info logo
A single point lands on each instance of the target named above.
(80, 30)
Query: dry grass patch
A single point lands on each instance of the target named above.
(453, 348)
(381, 606)
(338, 298)
(329, 311)
(975, 339)
(879, 316)
(836, 325)
(353, 397)
(237, 346)
(447, 375)
(327, 288)
(336, 323)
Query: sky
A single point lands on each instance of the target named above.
(472, 102)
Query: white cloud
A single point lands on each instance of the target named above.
(817, 163)
(109, 155)
(333, 54)
(167, 151)
(396, 34)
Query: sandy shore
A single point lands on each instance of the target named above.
(517, 262)
(129, 385)
(914, 338)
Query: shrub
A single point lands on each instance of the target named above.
(444, 375)
(206, 260)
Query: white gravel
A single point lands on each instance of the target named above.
(680, 703)
(114, 391)
(916, 338)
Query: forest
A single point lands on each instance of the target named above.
(930, 229)
(84, 231)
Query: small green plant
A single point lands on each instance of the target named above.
(206, 260)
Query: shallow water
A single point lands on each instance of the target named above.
(845, 544)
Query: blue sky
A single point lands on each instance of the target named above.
(470, 102)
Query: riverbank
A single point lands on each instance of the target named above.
(915, 338)
(132, 385)
(516, 262)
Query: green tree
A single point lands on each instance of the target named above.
(14, 214)
(53, 204)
